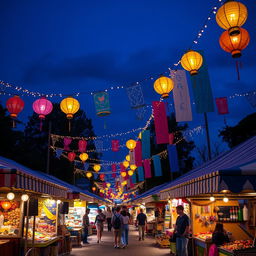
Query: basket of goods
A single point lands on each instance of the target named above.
(240, 247)
(163, 241)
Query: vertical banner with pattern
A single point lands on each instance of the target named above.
(140, 174)
(132, 157)
(161, 123)
(115, 145)
(181, 97)
(202, 90)
(138, 154)
(101, 101)
(173, 158)
(135, 96)
(147, 168)
(113, 169)
(222, 105)
(145, 140)
(98, 145)
(157, 165)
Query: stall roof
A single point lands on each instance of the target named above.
(240, 160)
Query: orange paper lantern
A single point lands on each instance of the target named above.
(6, 205)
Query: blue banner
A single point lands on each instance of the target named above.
(145, 140)
(134, 178)
(101, 100)
(140, 173)
(173, 158)
(157, 165)
(202, 90)
(58, 152)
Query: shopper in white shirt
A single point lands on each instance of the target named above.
(108, 213)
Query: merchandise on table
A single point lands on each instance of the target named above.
(163, 240)
(74, 218)
(238, 245)
(204, 235)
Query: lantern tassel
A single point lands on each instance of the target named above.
(237, 70)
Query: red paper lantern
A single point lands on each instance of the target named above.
(71, 156)
(14, 105)
(102, 176)
(6, 205)
(82, 144)
(42, 107)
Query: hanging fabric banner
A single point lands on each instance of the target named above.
(145, 140)
(173, 158)
(98, 145)
(147, 168)
(115, 145)
(101, 100)
(161, 123)
(251, 98)
(95, 175)
(67, 142)
(181, 97)
(113, 168)
(138, 154)
(132, 157)
(134, 178)
(222, 105)
(140, 113)
(122, 168)
(202, 90)
(157, 165)
(135, 96)
(82, 144)
(140, 174)
(171, 138)
(58, 152)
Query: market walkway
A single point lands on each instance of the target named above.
(135, 248)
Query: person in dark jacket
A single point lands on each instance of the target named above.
(219, 236)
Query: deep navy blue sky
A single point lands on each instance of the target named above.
(69, 46)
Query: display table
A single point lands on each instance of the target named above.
(202, 246)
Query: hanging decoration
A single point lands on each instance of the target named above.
(86, 166)
(14, 105)
(71, 156)
(130, 172)
(98, 145)
(138, 154)
(135, 96)
(67, 141)
(222, 105)
(181, 97)
(58, 152)
(83, 157)
(131, 144)
(173, 158)
(82, 145)
(42, 107)
(140, 174)
(88, 175)
(140, 112)
(161, 124)
(145, 141)
(96, 167)
(192, 61)
(123, 174)
(94, 189)
(69, 106)
(115, 145)
(157, 165)
(102, 105)
(113, 169)
(171, 138)
(147, 168)
(232, 15)
(133, 167)
(125, 164)
(251, 98)
(128, 158)
(163, 86)
(102, 177)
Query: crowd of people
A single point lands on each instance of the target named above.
(118, 219)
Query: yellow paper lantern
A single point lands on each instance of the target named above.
(125, 164)
(96, 167)
(83, 157)
(69, 106)
(124, 183)
(131, 144)
(133, 167)
(128, 158)
(93, 188)
(101, 190)
(192, 61)
(123, 174)
(108, 185)
(130, 172)
(163, 86)
(88, 175)
(231, 16)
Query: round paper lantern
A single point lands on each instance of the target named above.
(83, 157)
(130, 172)
(42, 107)
(133, 167)
(24, 197)
(71, 156)
(6, 205)
(69, 106)
(102, 176)
(88, 175)
(131, 144)
(163, 86)
(231, 16)
(125, 164)
(108, 185)
(96, 167)
(128, 158)
(123, 174)
(14, 105)
(192, 61)
(235, 44)
(93, 189)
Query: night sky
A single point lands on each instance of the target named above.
(85, 46)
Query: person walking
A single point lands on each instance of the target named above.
(181, 232)
(141, 222)
(125, 228)
(86, 224)
(117, 223)
(99, 222)
(109, 214)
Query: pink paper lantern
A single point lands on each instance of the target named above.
(42, 107)
(82, 144)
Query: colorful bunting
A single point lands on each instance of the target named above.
(138, 154)
(157, 165)
(222, 105)
(82, 144)
(113, 169)
(173, 158)
(101, 100)
(147, 168)
(58, 152)
(132, 157)
(140, 174)
(145, 140)
(135, 96)
(115, 145)
(67, 142)
(171, 138)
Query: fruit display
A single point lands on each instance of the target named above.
(163, 240)
(204, 235)
(237, 245)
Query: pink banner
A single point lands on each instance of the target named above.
(115, 145)
(113, 168)
(161, 124)
(171, 138)
(222, 105)
(138, 154)
(131, 183)
(122, 168)
(147, 168)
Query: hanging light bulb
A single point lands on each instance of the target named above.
(133, 167)
(88, 175)
(212, 198)
(96, 167)
(131, 144)
(125, 164)
(10, 196)
(130, 172)
(83, 157)
(225, 199)
(123, 174)
(24, 197)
